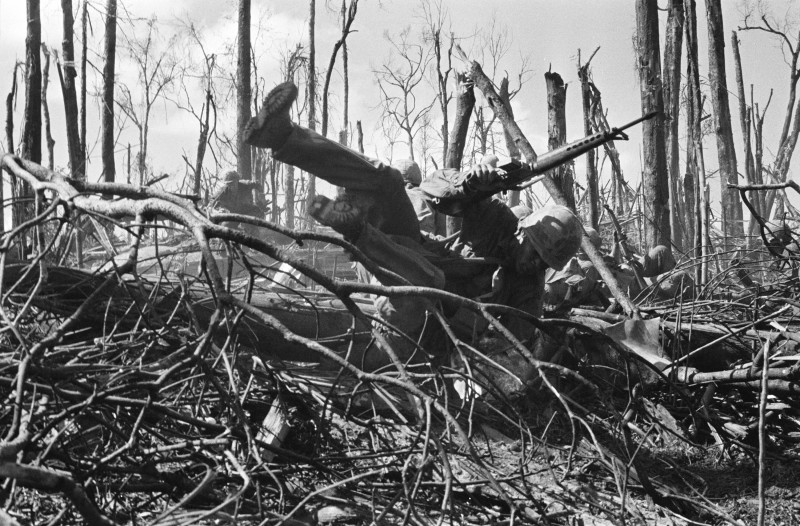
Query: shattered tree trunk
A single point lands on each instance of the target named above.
(311, 93)
(655, 190)
(726, 150)
(592, 186)
(746, 124)
(107, 132)
(31, 140)
(84, 62)
(243, 90)
(67, 75)
(31, 143)
(48, 135)
(465, 102)
(557, 132)
(696, 166)
(511, 146)
(345, 82)
(672, 104)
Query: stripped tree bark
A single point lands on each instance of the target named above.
(48, 136)
(655, 190)
(726, 150)
(243, 90)
(557, 133)
(746, 124)
(591, 163)
(513, 149)
(672, 105)
(67, 74)
(465, 102)
(696, 162)
(107, 132)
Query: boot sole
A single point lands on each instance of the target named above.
(276, 102)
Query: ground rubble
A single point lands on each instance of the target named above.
(171, 379)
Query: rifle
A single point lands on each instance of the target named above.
(449, 193)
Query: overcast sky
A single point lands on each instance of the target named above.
(548, 32)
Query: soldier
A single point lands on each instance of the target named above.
(375, 213)
(236, 196)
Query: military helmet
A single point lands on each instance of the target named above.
(231, 177)
(555, 233)
(410, 171)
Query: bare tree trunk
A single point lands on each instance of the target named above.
(243, 90)
(10, 111)
(31, 139)
(694, 121)
(511, 146)
(436, 34)
(360, 133)
(351, 15)
(9, 136)
(672, 104)
(655, 190)
(289, 195)
(48, 135)
(465, 102)
(591, 164)
(202, 142)
(746, 125)
(107, 144)
(726, 150)
(346, 80)
(31, 143)
(311, 93)
(557, 131)
(67, 74)
(84, 50)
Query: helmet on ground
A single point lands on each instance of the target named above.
(594, 237)
(521, 211)
(555, 233)
(410, 171)
(658, 261)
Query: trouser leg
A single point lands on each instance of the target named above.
(379, 185)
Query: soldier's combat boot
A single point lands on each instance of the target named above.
(341, 214)
(271, 126)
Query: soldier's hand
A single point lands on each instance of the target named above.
(481, 175)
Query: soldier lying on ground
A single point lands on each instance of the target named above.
(657, 269)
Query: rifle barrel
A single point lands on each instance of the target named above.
(563, 154)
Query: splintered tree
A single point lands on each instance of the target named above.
(673, 43)
(726, 150)
(67, 74)
(654, 176)
(109, 69)
(787, 35)
(465, 102)
(592, 183)
(243, 89)
(557, 132)
(31, 139)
